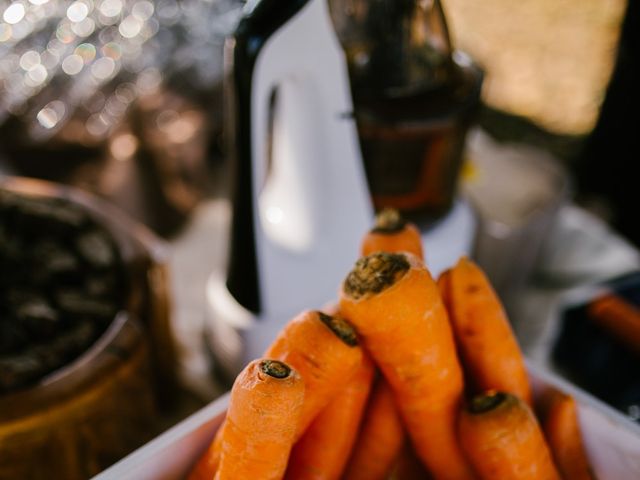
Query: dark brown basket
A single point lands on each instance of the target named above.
(83, 417)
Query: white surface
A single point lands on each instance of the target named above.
(200, 248)
(311, 197)
(581, 247)
(451, 238)
(611, 440)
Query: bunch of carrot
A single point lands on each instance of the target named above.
(409, 379)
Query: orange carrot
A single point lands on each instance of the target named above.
(487, 345)
(207, 465)
(380, 439)
(619, 317)
(562, 431)
(391, 234)
(503, 440)
(262, 418)
(408, 466)
(321, 348)
(395, 305)
(322, 452)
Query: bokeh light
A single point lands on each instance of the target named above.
(103, 68)
(51, 114)
(36, 76)
(29, 59)
(142, 10)
(86, 51)
(112, 50)
(130, 27)
(84, 28)
(77, 11)
(14, 13)
(64, 33)
(123, 146)
(97, 125)
(111, 8)
(73, 64)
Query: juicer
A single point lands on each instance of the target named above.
(301, 199)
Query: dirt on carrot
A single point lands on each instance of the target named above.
(266, 393)
(392, 233)
(394, 304)
(324, 349)
(502, 439)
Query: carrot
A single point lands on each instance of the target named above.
(503, 440)
(395, 306)
(262, 418)
(392, 233)
(619, 317)
(562, 431)
(408, 466)
(487, 345)
(322, 452)
(207, 465)
(380, 439)
(377, 449)
(321, 348)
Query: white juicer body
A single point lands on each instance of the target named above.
(309, 193)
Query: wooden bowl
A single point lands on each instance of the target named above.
(83, 417)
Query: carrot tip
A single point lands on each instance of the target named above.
(343, 329)
(374, 273)
(388, 221)
(486, 402)
(275, 368)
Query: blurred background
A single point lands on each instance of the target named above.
(125, 99)
(92, 87)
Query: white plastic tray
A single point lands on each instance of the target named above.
(611, 439)
(172, 454)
